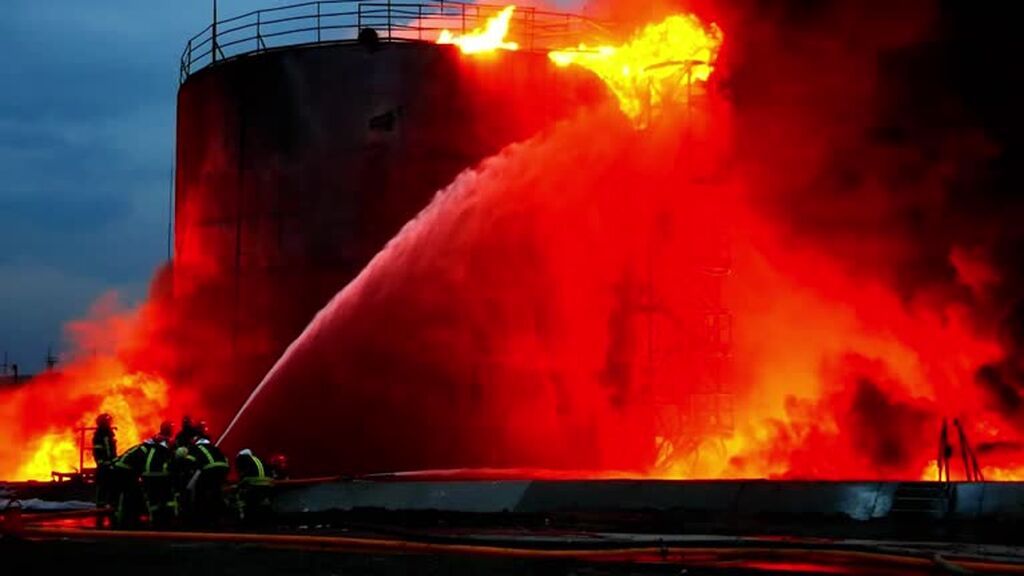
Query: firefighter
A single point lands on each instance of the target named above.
(166, 434)
(279, 467)
(183, 469)
(127, 468)
(187, 434)
(207, 483)
(252, 499)
(104, 451)
(157, 483)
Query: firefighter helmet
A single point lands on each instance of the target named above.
(279, 466)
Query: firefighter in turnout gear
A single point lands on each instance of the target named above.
(252, 499)
(279, 467)
(187, 435)
(158, 485)
(166, 433)
(207, 483)
(183, 469)
(127, 468)
(104, 451)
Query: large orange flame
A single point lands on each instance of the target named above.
(134, 400)
(657, 67)
(837, 375)
(41, 420)
(490, 38)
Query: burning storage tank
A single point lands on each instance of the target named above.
(307, 136)
(556, 307)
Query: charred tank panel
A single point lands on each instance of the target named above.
(296, 166)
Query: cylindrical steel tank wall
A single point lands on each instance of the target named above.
(296, 166)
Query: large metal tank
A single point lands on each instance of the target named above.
(296, 165)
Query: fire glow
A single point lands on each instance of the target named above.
(654, 69)
(49, 411)
(488, 39)
(549, 313)
(591, 347)
(135, 401)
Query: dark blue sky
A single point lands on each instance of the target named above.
(87, 99)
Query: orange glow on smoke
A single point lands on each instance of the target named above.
(555, 304)
(846, 381)
(40, 418)
(135, 401)
(52, 452)
(490, 38)
(557, 317)
(654, 69)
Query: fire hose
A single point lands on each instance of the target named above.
(697, 555)
(14, 523)
(37, 517)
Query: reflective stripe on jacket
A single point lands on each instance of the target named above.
(157, 459)
(209, 461)
(251, 471)
(134, 459)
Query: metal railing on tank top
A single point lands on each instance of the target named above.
(341, 21)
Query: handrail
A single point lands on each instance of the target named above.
(339, 21)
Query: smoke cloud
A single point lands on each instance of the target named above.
(845, 191)
(860, 193)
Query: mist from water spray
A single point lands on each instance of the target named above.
(544, 310)
(504, 325)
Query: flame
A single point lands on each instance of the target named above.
(655, 68)
(829, 374)
(836, 377)
(134, 400)
(40, 419)
(996, 473)
(54, 452)
(490, 38)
